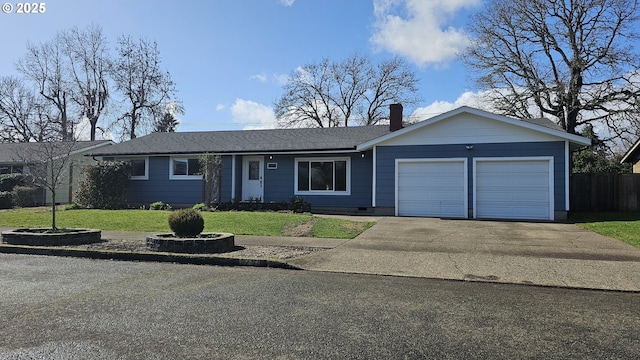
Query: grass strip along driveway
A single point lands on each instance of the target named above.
(624, 226)
(236, 222)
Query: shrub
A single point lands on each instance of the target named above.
(186, 223)
(24, 196)
(9, 181)
(295, 204)
(200, 207)
(104, 185)
(159, 205)
(6, 200)
(73, 206)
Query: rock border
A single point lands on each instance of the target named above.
(26, 236)
(224, 242)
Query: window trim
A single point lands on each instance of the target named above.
(146, 168)
(172, 176)
(323, 192)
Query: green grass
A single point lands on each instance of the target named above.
(624, 226)
(240, 222)
(339, 228)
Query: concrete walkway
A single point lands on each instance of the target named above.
(547, 254)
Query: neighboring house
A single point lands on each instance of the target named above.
(465, 163)
(633, 156)
(20, 157)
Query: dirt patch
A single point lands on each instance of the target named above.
(246, 251)
(303, 230)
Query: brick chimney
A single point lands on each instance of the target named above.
(395, 117)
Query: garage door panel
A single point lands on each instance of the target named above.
(506, 180)
(431, 188)
(513, 189)
(494, 197)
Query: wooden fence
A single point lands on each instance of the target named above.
(605, 192)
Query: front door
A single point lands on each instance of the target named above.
(252, 178)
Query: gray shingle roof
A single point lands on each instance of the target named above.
(16, 153)
(544, 122)
(247, 141)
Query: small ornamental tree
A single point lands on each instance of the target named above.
(186, 223)
(104, 184)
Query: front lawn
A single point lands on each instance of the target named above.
(624, 226)
(236, 222)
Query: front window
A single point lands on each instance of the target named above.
(322, 176)
(185, 168)
(139, 169)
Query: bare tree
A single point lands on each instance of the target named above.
(87, 54)
(329, 94)
(22, 117)
(145, 87)
(392, 82)
(572, 61)
(45, 64)
(48, 166)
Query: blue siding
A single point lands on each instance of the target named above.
(226, 178)
(181, 192)
(279, 183)
(160, 188)
(386, 156)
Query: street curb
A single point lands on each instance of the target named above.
(146, 256)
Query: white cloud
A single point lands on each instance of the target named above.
(260, 77)
(418, 30)
(281, 79)
(475, 100)
(252, 115)
(287, 2)
(220, 107)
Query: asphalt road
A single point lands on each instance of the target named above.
(65, 308)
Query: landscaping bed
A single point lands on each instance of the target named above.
(270, 252)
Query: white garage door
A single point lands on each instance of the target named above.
(435, 188)
(513, 189)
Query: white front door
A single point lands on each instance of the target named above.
(252, 178)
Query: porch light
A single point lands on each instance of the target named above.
(469, 147)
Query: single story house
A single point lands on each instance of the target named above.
(465, 163)
(19, 158)
(633, 156)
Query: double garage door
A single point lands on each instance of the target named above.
(500, 188)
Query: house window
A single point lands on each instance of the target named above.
(11, 169)
(139, 169)
(185, 168)
(322, 176)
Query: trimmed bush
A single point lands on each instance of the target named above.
(103, 186)
(6, 200)
(24, 196)
(186, 223)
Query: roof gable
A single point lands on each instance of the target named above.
(13, 153)
(633, 154)
(467, 125)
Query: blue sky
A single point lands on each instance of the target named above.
(229, 58)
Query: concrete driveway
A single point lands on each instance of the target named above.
(550, 254)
